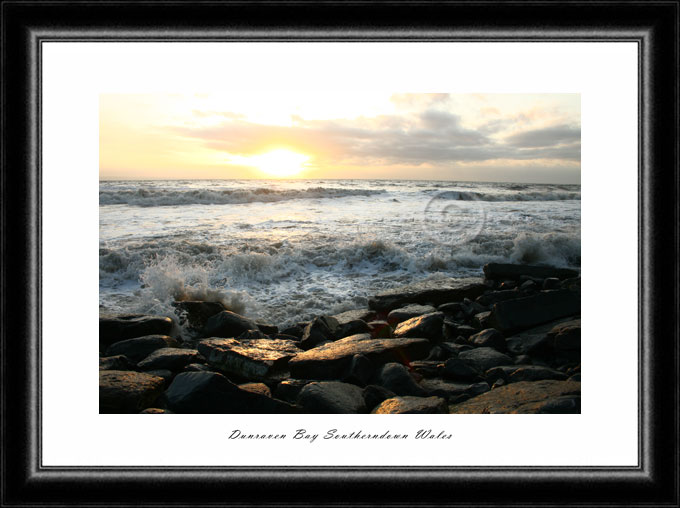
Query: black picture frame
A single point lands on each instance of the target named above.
(653, 25)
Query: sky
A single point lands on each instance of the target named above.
(533, 138)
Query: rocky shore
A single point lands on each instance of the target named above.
(509, 342)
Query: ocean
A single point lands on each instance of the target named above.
(283, 251)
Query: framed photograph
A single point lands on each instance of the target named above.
(344, 249)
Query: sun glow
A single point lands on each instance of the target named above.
(279, 163)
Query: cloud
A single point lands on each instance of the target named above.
(549, 136)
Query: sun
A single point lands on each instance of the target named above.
(279, 163)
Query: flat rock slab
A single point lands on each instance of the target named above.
(411, 405)
(140, 347)
(212, 393)
(250, 359)
(118, 362)
(127, 392)
(527, 341)
(354, 315)
(427, 325)
(522, 397)
(408, 312)
(115, 328)
(332, 361)
(430, 293)
(523, 313)
(170, 358)
(449, 390)
(484, 358)
(332, 397)
(506, 271)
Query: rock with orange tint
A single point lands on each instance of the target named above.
(411, 405)
(127, 392)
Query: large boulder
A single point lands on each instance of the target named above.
(170, 358)
(117, 362)
(318, 331)
(566, 336)
(331, 397)
(488, 338)
(411, 405)
(332, 360)
(396, 378)
(127, 392)
(227, 324)
(140, 347)
(115, 328)
(251, 359)
(427, 325)
(212, 393)
(374, 395)
(492, 297)
(354, 315)
(484, 358)
(525, 397)
(505, 271)
(194, 314)
(408, 312)
(427, 294)
(542, 307)
(460, 370)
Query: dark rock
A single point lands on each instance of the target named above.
(411, 405)
(295, 331)
(332, 360)
(567, 404)
(139, 348)
(427, 368)
(267, 328)
(572, 284)
(319, 330)
(566, 336)
(352, 328)
(501, 271)
(427, 325)
(425, 293)
(396, 378)
(532, 340)
(380, 329)
(289, 389)
(575, 377)
(452, 330)
(166, 374)
(194, 314)
(212, 393)
(437, 353)
(328, 397)
(197, 367)
(374, 395)
(128, 326)
(522, 360)
(227, 324)
(250, 359)
(508, 284)
(155, 411)
(493, 297)
(360, 371)
(251, 335)
(528, 285)
(488, 338)
(481, 320)
(260, 388)
(498, 383)
(408, 312)
(453, 348)
(551, 283)
(448, 390)
(484, 358)
(535, 373)
(118, 362)
(522, 397)
(542, 307)
(127, 392)
(354, 315)
(471, 308)
(460, 370)
(174, 359)
(451, 309)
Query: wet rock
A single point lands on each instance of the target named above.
(481, 320)
(128, 326)
(566, 336)
(170, 358)
(127, 392)
(522, 397)
(517, 373)
(523, 360)
(408, 312)
(212, 393)
(251, 359)
(451, 309)
(289, 389)
(411, 405)
(503, 271)
(488, 338)
(118, 362)
(227, 324)
(471, 308)
(354, 315)
(493, 297)
(427, 294)
(319, 330)
(140, 347)
(197, 367)
(260, 388)
(508, 284)
(328, 397)
(427, 325)
(451, 330)
(575, 377)
(267, 329)
(458, 369)
(374, 395)
(567, 404)
(194, 314)
(528, 285)
(453, 348)
(332, 360)
(551, 283)
(295, 331)
(532, 340)
(542, 307)
(427, 369)
(380, 329)
(352, 328)
(251, 335)
(396, 378)
(484, 358)
(437, 353)
(449, 390)
(166, 374)
(360, 371)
